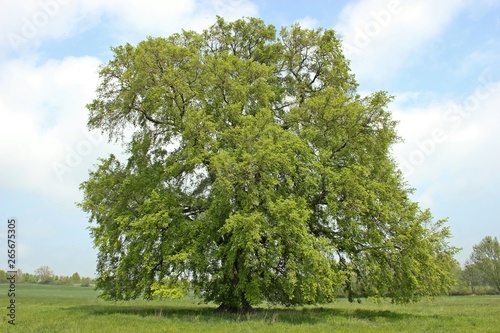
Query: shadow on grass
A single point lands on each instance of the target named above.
(196, 313)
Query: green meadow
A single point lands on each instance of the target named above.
(51, 309)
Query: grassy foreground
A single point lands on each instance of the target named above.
(54, 309)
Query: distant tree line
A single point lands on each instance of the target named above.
(44, 275)
(480, 274)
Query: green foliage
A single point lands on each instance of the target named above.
(170, 288)
(29, 278)
(75, 278)
(19, 275)
(485, 259)
(256, 173)
(3, 276)
(85, 282)
(45, 275)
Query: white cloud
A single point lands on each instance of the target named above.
(487, 56)
(450, 147)
(308, 22)
(162, 18)
(206, 10)
(26, 24)
(382, 36)
(46, 148)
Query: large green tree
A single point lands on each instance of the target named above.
(486, 259)
(255, 173)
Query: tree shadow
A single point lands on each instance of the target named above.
(197, 313)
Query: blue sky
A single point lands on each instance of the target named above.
(440, 59)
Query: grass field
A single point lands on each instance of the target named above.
(54, 309)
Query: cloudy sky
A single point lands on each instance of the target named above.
(440, 59)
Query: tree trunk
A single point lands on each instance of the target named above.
(236, 302)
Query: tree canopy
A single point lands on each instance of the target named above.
(255, 172)
(44, 274)
(485, 258)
